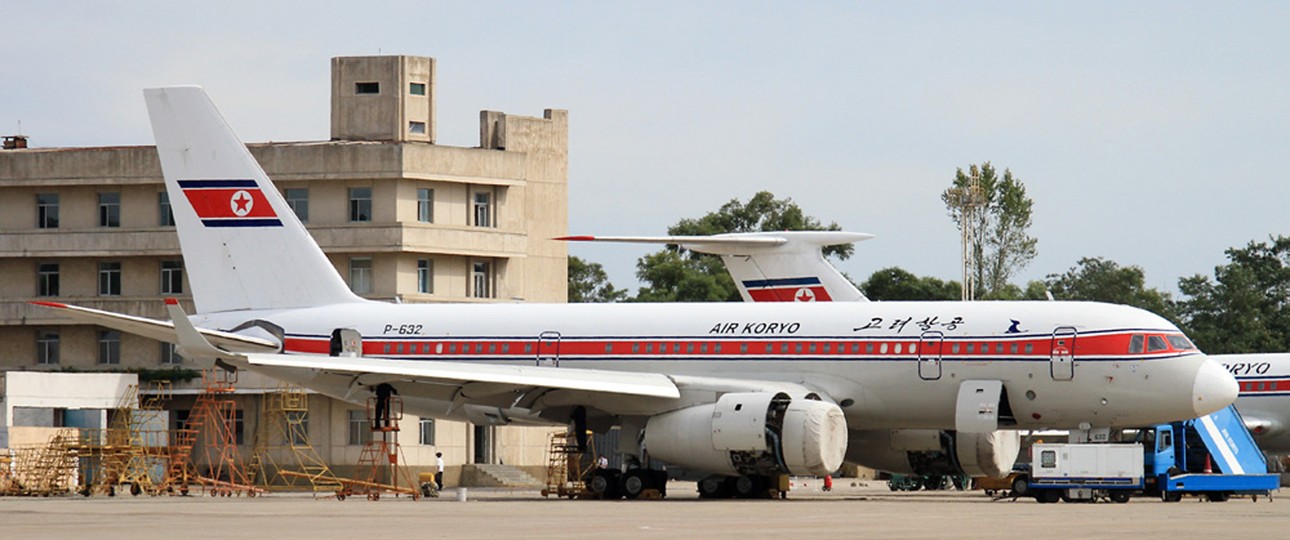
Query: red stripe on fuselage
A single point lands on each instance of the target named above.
(1106, 345)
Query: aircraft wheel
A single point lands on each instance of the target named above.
(635, 482)
(605, 484)
(714, 487)
(135, 489)
(750, 486)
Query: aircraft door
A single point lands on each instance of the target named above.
(548, 349)
(346, 342)
(1062, 360)
(929, 355)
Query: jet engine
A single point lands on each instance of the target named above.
(752, 433)
(930, 451)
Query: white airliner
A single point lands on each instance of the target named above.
(741, 391)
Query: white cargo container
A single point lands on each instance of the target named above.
(1085, 471)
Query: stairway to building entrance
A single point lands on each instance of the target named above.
(490, 475)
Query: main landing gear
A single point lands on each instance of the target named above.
(634, 484)
(753, 486)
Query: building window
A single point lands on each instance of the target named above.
(425, 276)
(482, 209)
(367, 88)
(417, 89)
(47, 279)
(360, 204)
(360, 275)
(110, 279)
(481, 279)
(169, 356)
(47, 348)
(165, 217)
(298, 200)
(172, 277)
(47, 210)
(109, 209)
(427, 432)
(417, 128)
(425, 205)
(360, 430)
(109, 347)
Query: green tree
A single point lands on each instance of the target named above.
(588, 282)
(1000, 222)
(1246, 307)
(897, 284)
(679, 275)
(1099, 280)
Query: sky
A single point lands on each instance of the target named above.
(1150, 133)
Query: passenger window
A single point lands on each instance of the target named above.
(882, 348)
(609, 347)
(1014, 348)
(897, 351)
(868, 348)
(1156, 344)
(812, 348)
(955, 348)
(1135, 344)
(649, 348)
(1030, 348)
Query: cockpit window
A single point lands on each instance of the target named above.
(1135, 343)
(1181, 343)
(1156, 344)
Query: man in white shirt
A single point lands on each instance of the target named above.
(438, 475)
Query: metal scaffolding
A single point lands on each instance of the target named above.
(284, 458)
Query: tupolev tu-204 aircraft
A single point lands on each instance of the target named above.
(741, 392)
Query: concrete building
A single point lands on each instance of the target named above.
(401, 218)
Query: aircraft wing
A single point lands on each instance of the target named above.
(159, 330)
(486, 379)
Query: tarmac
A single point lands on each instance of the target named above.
(854, 509)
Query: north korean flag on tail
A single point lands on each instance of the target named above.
(230, 203)
(804, 289)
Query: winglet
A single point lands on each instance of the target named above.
(192, 344)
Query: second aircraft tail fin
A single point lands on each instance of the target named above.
(782, 266)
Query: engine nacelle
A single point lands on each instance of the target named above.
(930, 451)
(751, 433)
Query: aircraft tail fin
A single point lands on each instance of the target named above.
(783, 266)
(243, 246)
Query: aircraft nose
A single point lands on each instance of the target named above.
(1214, 388)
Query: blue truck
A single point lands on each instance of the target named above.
(1213, 457)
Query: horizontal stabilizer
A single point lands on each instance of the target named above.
(158, 330)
